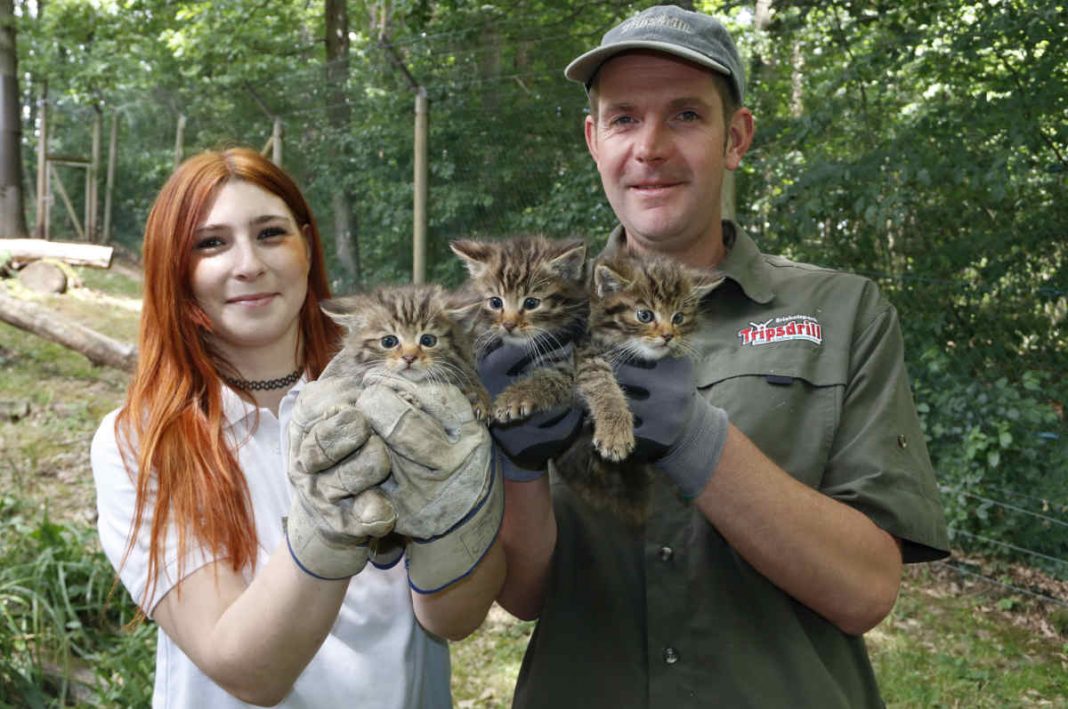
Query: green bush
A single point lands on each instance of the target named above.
(1001, 456)
(62, 636)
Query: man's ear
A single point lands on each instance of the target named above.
(740, 132)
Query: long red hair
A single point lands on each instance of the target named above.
(172, 420)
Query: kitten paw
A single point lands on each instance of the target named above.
(614, 443)
(508, 408)
(480, 405)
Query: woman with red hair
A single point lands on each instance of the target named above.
(191, 473)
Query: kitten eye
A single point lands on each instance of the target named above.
(677, 318)
(531, 303)
(496, 303)
(643, 315)
(428, 340)
(389, 341)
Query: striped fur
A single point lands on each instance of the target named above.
(624, 291)
(409, 332)
(531, 292)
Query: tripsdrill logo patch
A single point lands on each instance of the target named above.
(782, 329)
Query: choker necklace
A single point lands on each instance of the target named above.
(265, 384)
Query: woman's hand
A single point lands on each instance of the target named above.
(335, 462)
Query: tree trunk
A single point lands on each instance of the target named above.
(12, 211)
(343, 202)
(74, 253)
(99, 349)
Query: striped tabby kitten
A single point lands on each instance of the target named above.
(532, 293)
(641, 308)
(410, 332)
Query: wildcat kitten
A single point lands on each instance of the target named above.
(642, 308)
(410, 332)
(531, 292)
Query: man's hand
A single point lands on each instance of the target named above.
(442, 485)
(527, 445)
(676, 429)
(334, 462)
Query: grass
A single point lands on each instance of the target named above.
(947, 643)
(950, 642)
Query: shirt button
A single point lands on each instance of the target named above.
(666, 553)
(671, 655)
(902, 442)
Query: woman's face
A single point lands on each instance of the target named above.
(250, 271)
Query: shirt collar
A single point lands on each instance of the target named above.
(744, 264)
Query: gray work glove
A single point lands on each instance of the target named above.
(526, 446)
(334, 462)
(448, 501)
(675, 428)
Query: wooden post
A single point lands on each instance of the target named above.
(113, 146)
(276, 142)
(179, 140)
(92, 193)
(41, 228)
(419, 213)
(66, 201)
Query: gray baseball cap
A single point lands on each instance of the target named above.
(694, 36)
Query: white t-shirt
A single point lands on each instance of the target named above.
(376, 655)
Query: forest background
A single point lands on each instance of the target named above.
(922, 143)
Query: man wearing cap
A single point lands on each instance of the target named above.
(793, 478)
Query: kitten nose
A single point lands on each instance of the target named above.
(508, 325)
(409, 358)
(667, 336)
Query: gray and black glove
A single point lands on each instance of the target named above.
(676, 429)
(525, 447)
(335, 462)
(448, 499)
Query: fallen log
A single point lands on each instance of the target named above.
(99, 349)
(75, 253)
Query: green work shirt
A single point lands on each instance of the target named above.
(808, 363)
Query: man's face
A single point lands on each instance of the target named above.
(661, 147)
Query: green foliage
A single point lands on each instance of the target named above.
(922, 144)
(59, 616)
(994, 446)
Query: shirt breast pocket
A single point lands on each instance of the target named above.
(786, 398)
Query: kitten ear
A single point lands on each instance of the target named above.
(474, 255)
(569, 263)
(607, 280)
(705, 283)
(344, 311)
(462, 308)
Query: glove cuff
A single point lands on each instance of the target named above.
(315, 554)
(690, 461)
(441, 561)
(513, 471)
